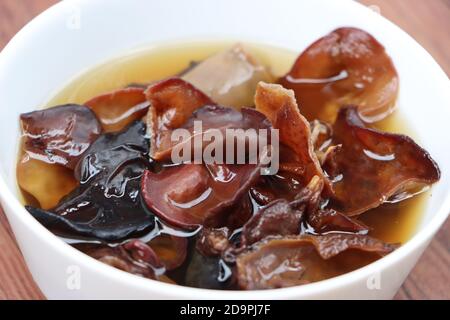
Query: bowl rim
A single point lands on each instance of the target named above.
(420, 238)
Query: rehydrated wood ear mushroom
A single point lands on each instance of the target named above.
(172, 102)
(289, 261)
(60, 134)
(106, 205)
(280, 107)
(372, 166)
(116, 110)
(347, 66)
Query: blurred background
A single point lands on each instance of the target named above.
(428, 21)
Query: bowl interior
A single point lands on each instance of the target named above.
(72, 37)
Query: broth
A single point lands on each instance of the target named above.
(394, 223)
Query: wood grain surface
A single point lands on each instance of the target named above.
(428, 21)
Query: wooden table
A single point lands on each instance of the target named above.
(428, 21)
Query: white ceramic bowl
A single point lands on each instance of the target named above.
(74, 35)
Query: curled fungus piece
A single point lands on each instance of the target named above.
(347, 66)
(288, 261)
(117, 109)
(172, 103)
(280, 107)
(133, 256)
(372, 167)
(106, 205)
(282, 217)
(189, 195)
(59, 135)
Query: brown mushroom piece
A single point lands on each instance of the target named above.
(133, 256)
(347, 66)
(327, 220)
(172, 103)
(277, 218)
(229, 77)
(59, 134)
(232, 216)
(295, 260)
(283, 185)
(187, 195)
(372, 167)
(280, 107)
(215, 121)
(282, 217)
(117, 109)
